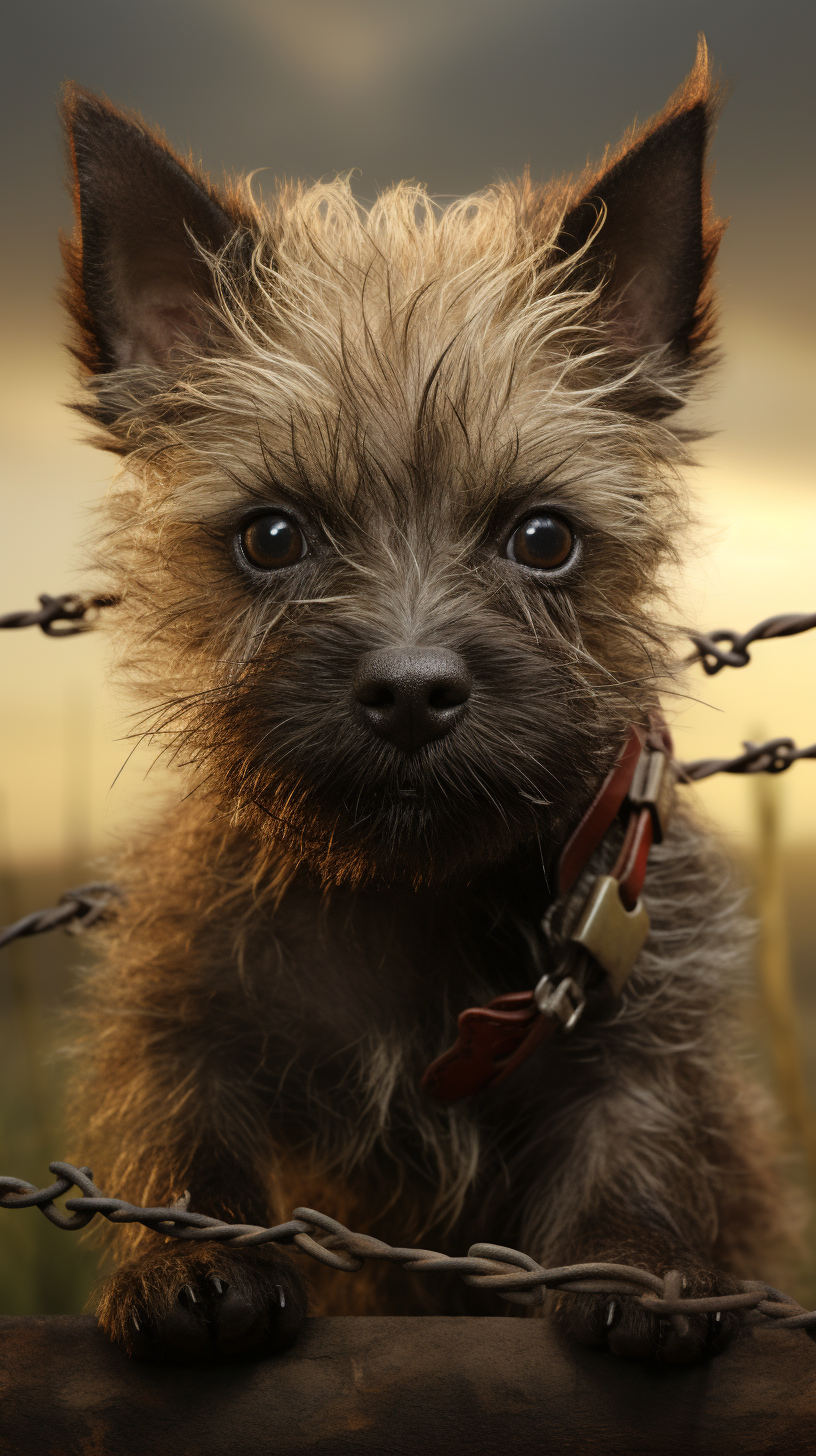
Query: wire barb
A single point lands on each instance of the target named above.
(773, 757)
(77, 910)
(713, 657)
(81, 612)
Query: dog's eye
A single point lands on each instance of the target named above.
(542, 542)
(272, 541)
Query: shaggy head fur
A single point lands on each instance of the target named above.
(407, 385)
(397, 394)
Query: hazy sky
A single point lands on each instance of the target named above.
(452, 93)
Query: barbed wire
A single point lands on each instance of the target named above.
(512, 1275)
(507, 1272)
(713, 657)
(75, 911)
(82, 612)
(772, 757)
(708, 652)
(79, 909)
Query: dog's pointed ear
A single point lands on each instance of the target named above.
(641, 227)
(136, 279)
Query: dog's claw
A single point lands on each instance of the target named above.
(229, 1307)
(628, 1329)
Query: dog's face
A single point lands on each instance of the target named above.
(400, 484)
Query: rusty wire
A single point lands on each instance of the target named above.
(506, 1272)
(75, 911)
(81, 612)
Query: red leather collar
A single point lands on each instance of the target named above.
(494, 1039)
(591, 829)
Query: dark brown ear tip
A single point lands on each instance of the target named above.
(78, 106)
(90, 118)
(696, 122)
(684, 136)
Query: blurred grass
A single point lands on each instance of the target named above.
(781, 1015)
(46, 1271)
(43, 1270)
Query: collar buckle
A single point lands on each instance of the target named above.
(613, 924)
(563, 1000)
(652, 787)
(613, 935)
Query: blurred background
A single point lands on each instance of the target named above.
(453, 93)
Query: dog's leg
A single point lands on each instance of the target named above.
(178, 1301)
(623, 1234)
(167, 1106)
(659, 1161)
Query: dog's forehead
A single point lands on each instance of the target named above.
(396, 453)
(392, 372)
(380, 380)
(359, 453)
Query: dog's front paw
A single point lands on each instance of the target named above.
(624, 1324)
(183, 1303)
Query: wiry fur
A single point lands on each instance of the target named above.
(411, 402)
(303, 929)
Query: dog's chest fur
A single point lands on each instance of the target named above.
(401, 490)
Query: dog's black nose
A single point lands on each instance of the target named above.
(412, 695)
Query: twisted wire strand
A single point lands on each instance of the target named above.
(81, 908)
(81, 612)
(75, 911)
(504, 1271)
(713, 657)
(772, 757)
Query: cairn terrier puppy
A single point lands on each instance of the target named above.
(399, 489)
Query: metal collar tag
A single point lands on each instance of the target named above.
(612, 934)
(612, 926)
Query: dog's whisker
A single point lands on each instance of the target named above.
(402, 490)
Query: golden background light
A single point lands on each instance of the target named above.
(452, 93)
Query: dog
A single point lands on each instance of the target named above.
(400, 489)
